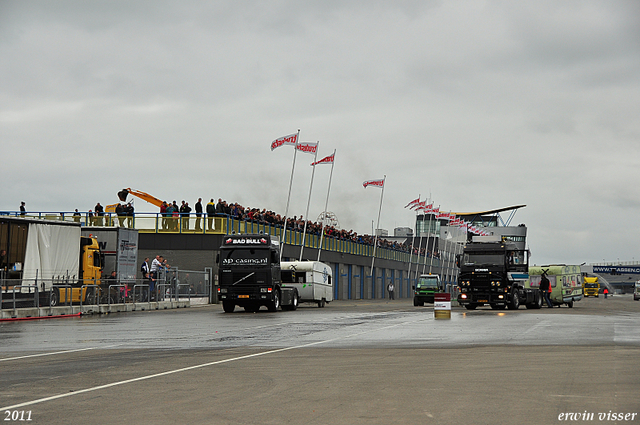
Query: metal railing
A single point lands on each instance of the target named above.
(19, 293)
(225, 225)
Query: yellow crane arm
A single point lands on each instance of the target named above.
(128, 191)
(144, 196)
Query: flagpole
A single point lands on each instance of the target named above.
(306, 215)
(426, 250)
(286, 211)
(413, 242)
(411, 252)
(375, 238)
(434, 242)
(326, 205)
(419, 248)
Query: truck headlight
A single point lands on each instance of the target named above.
(222, 290)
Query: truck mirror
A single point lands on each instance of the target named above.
(218, 258)
(413, 287)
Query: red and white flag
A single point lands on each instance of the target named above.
(419, 206)
(308, 147)
(291, 139)
(376, 183)
(326, 160)
(443, 216)
(414, 203)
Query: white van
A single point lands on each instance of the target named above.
(312, 279)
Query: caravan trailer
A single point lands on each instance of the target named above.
(312, 279)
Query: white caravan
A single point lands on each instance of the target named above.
(312, 279)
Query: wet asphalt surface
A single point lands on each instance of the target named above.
(350, 362)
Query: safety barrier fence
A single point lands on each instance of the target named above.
(170, 285)
(225, 225)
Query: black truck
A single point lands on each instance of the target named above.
(249, 274)
(493, 272)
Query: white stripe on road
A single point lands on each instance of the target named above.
(185, 369)
(53, 353)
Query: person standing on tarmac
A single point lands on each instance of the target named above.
(391, 288)
(544, 288)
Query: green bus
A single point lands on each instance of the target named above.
(565, 281)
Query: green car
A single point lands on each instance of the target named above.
(425, 289)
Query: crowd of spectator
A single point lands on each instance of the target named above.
(295, 223)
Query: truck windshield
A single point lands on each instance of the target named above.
(590, 285)
(245, 257)
(482, 258)
(426, 282)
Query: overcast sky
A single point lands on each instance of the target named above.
(477, 104)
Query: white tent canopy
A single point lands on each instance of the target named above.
(52, 251)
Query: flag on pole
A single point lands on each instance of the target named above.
(418, 206)
(376, 183)
(291, 139)
(413, 203)
(326, 160)
(442, 215)
(307, 147)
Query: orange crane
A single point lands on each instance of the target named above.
(142, 195)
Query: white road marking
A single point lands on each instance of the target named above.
(185, 369)
(53, 353)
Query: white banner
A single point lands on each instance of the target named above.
(307, 147)
(291, 139)
(376, 183)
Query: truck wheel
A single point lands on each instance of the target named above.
(515, 300)
(570, 304)
(54, 298)
(228, 307)
(294, 303)
(321, 303)
(415, 302)
(275, 304)
(471, 306)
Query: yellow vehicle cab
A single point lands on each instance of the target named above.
(591, 287)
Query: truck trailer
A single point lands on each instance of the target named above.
(493, 271)
(47, 262)
(312, 279)
(249, 274)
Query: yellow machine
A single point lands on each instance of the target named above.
(142, 195)
(591, 287)
(90, 274)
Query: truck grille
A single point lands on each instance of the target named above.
(258, 278)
